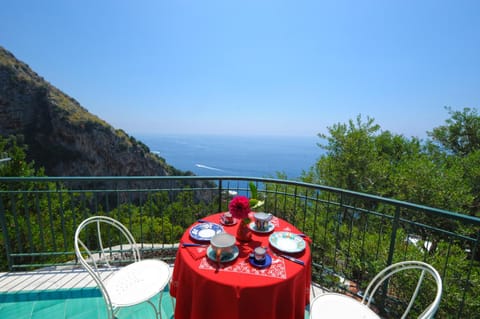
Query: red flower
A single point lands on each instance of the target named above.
(239, 207)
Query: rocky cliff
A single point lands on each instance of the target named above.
(62, 136)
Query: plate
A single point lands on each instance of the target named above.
(205, 231)
(224, 258)
(287, 242)
(253, 262)
(253, 227)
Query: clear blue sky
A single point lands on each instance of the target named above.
(253, 67)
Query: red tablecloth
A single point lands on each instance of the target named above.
(239, 290)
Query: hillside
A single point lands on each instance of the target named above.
(62, 136)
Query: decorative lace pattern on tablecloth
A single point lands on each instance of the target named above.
(275, 270)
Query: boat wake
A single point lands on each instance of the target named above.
(209, 168)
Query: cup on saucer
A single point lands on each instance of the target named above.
(222, 244)
(261, 220)
(227, 218)
(259, 254)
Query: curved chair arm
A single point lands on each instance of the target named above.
(405, 265)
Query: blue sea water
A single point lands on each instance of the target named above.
(215, 155)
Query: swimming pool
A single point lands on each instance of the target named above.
(76, 303)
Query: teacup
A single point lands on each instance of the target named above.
(260, 253)
(261, 220)
(222, 244)
(227, 218)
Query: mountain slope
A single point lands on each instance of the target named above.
(61, 135)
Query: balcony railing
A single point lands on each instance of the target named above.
(353, 235)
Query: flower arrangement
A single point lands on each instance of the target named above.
(239, 207)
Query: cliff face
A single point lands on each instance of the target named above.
(61, 135)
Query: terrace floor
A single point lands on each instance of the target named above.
(68, 293)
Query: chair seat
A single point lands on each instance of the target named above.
(137, 282)
(337, 306)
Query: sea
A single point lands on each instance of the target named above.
(250, 156)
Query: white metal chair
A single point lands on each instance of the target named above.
(338, 306)
(131, 284)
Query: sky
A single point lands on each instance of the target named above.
(254, 67)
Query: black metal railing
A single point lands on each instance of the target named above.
(353, 235)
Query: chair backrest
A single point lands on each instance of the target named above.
(102, 243)
(424, 269)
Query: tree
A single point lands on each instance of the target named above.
(443, 173)
(471, 176)
(12, 148)
(361, 157)
(461, 133)
(459, 139)
(350, 153)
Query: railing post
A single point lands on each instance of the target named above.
(393, 237)
(6, 237)
(474, 253)
(391, 251)
(220, 187)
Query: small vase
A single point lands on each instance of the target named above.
(243, 231)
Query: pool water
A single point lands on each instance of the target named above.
(76, 303)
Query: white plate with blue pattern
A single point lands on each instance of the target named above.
(205, 231)
(287, 242)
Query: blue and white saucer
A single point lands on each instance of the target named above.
(205, 231)
(225, 257)
(253, 262)
(269, 229)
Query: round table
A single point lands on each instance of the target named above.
(238, 289)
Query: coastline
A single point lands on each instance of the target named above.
(256, 156)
